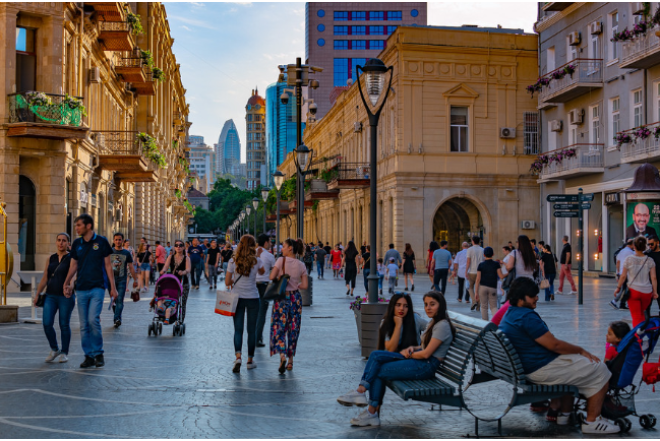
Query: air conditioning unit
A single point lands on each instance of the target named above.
(99, 139)
(574, 38)
(507, 132)
(576, 117)
(528, 225)
(596, 27)
(556, 126)
(357, 127)
(637, 8)
(95, 75)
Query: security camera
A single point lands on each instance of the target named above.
(314, 84)
(284, 98)
(313, 108)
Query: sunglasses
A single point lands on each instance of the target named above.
(179, 245)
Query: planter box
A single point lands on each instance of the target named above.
(306, 294)
(358, 322)
(318, 185)
(9, 314)
(370, 316)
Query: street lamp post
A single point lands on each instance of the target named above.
(242, 224)
(302, 159)
(264, 195)
(278, 177)
(255, 205)
(248, 210)
(374, 71)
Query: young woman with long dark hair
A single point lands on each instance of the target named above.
(412, 363)
(348, 259)
(400, 327)
(409, 267)
(523, 259)
(432, 247)
(286, 314)
(639, 271)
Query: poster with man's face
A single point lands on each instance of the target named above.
(642, 218)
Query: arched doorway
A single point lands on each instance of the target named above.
(454, 219)
(27, 217)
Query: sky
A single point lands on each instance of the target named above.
(227, 49)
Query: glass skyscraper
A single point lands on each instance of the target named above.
(228, 150)
(280, 127)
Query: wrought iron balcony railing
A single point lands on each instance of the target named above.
(47, 108)
(112, 142)
(573, 160)
(586, 74)
(642, 52)
(353, 170)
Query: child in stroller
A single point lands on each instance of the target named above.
(167, 305)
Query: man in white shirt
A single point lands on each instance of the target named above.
(263, 252)
(475, 255)
(460, 267)
(626, 251)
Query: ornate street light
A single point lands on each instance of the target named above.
(374, 71)
(264, 195)
(278, 178)
(241, 217)
(248, 210)
(255, 205)
(302, 159)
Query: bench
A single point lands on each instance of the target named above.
(479, 353)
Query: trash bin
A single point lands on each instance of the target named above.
(306, 294)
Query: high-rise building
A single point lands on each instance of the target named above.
(340, 36)
(256, 144)
(203, 162)
(280, 127)
(228, 149)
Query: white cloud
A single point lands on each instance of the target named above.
(192, 21)
(186, 28)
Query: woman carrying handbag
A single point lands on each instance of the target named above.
(549, 271)
(643, 284)
(286, 315)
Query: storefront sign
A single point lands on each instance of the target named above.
(642, 214)
(612, 198)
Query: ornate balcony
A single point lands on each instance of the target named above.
(642, 52)
(45, 115)
(350, 175)
(318, 190)
(587, 76)
(641, 150)
(116, 35)
(123, 153)
(131, 67)
(572, 161)
(556, 6)
(109, 10)
(148, 86)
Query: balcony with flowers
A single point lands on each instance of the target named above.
(640, 46)
(44, 115)
(135, 157)
(569, 162)
(117, 32)
(640, 144)
(569, 81)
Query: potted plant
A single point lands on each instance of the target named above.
(158, 74)
(134, 22)
(570, 69)
(147, 58)
(642, 133)
(74, 103)
(622, 138)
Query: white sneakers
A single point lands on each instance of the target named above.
(251, 365)
(62, 358)
(563, 418)
(366, 419)
(52, 356)
(237, 366)
(600, 427)
(353, 398)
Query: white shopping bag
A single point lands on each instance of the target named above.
(225, 303)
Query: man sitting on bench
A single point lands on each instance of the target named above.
(549, 361)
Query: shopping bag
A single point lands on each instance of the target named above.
(225, 303)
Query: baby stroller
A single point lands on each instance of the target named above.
(169, 289)
(634, 349)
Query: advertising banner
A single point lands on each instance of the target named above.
(642, 214)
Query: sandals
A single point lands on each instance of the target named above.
(282, 366)
(289, 366)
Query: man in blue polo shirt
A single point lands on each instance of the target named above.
(441, 262)
(90, 258)
(550, 361)
(196, 253)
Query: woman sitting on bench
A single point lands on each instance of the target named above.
(411, 363)
(400, 327)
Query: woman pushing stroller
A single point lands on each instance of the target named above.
(178, 264)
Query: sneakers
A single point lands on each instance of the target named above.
(573, 293)
(117, 323)
(251, 364)
(563, 418)
(365, 419)
(62, 358)
(99, 360)
(52, 356)
(600, 427)
(237, 366)
(412, 288)
(614, 305)
(353, 398)
(89, 362)
(260, 344)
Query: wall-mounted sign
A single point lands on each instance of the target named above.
(612, 198)
(83, 197)
(642, 214)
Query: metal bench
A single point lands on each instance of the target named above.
(480, 353)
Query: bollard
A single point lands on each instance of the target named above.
(33, 309)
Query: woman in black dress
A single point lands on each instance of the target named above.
(409, 266)
(178, 264)
(348, 259)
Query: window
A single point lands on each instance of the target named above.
(552, 138)
(376, 15)
(320, 13)
(358, 16)
(571, 51)
(550, 59)
(250, 126)
(531, 133)
(572, 132)
(594, 47)
(357, 45)
(390, 30)
(394, 15)
(257, 117)
(26, 60)
(359, 30)
(637, 116)
(321, 42)
(459, 129)
(341, 44)
(341, 16)
(414, 13)
(377, 44)
(614, 28)
(356, 62)
(320, 27)
(249, 117)
(341, 30)
(249, 136)
(594, 114)
(249, 155)
(376, 30)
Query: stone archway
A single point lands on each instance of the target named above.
(454, 219)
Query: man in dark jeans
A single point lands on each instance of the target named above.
(268, 260)
(121, 260)
(90, 257)
(196, 252)
(654, 253)
(441, 262)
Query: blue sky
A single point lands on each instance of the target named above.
(227, 49)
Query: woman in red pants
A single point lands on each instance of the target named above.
(639, 270)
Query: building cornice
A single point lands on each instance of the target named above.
(555, 18)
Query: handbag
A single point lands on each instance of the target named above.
(545, 284)
(511, 275)
(651, 373)
(226, 301)
(135, 295)
(277, 288)
(624, 293)
(42, 297)
(41, 300)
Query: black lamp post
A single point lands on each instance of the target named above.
(278, 178)
(302, 158)
(242, 224)
(248, 210)
(264, 195)
(255, 205)
(374, 71)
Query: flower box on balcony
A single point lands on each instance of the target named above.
(44, 115)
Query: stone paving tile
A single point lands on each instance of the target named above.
(183, 387)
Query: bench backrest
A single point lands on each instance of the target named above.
(495, 355)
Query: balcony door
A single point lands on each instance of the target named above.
(27, 218)
(26, 60)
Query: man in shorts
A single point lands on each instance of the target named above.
(547, 360)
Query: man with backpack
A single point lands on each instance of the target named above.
(627, 250)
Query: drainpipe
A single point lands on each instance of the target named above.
(81, 77)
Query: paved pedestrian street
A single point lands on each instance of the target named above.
(183, 387)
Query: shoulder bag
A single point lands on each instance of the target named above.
(42, 297)
(625, 290)
(277, 288)
(511, 275)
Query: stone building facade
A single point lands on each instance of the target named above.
(446, 167)
(58, 160)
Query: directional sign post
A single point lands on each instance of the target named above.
(581, 243)
(566, 214)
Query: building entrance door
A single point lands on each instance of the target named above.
(27, 217)
(454, 220)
